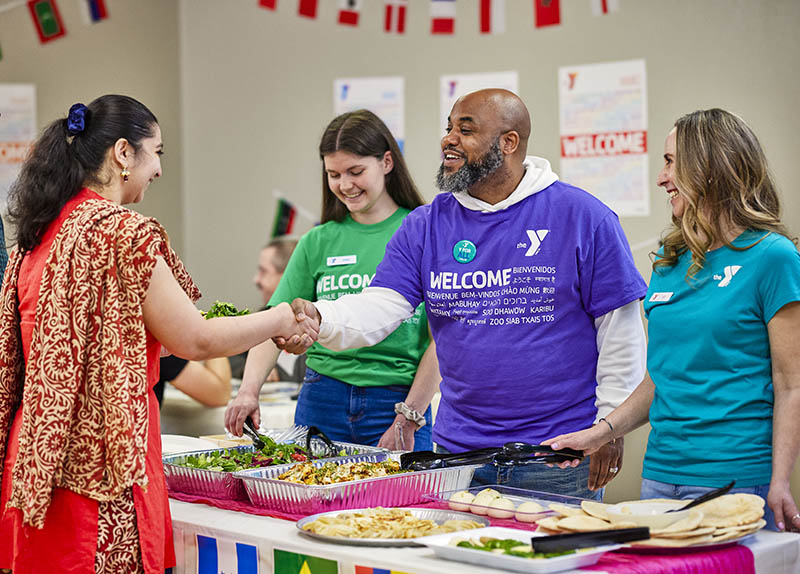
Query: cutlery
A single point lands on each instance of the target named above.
(705, 498)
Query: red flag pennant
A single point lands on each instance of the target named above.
(493, 16)
(548, 12)
(443, 16)
(394, 19)
(307, 8)
(93, 11)
(349, 11)
(600, 7)
(268, 4)
(47, 19)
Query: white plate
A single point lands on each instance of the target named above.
(438, 516)
(440, 544)
(175, 443)
(704, 546)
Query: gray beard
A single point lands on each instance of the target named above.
(470, 174)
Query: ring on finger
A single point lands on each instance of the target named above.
(615, 470)
(796, 516)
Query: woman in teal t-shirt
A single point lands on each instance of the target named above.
(375, 395)
(723, 386)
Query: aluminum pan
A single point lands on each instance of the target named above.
(266, 491)
(226, 486)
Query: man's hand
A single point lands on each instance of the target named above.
(782, 504)
(307, 319)
(244, 404)
(399, 436)
(605, 464)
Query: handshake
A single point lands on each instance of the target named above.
(300, 323)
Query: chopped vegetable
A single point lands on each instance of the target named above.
(226, 460)
(510, 547)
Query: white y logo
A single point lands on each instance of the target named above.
(536, 237)
(730, 271)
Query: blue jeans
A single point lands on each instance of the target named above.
(347, 413)
(540, 477)
(656, 489)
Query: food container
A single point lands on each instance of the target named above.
(266, 491)
(226, 486)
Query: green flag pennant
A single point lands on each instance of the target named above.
(47, 19)
(294, 563)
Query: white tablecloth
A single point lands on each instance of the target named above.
(775, 553)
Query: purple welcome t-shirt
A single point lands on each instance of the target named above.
(511, 298)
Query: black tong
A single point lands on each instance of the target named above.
(510, 454)
(563, 542)
(314, 431)
(250, 430)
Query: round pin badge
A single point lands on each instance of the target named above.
(464, 251)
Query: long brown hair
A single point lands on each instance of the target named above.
(722, 172)
(362, 133)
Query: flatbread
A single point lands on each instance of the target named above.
(565, 510)
(688, 523)
(583, 524)
(735, 535)
(690, 533)
(594, 508)
(732, 510)
(674, 542)
(758, 524)
(550, 523)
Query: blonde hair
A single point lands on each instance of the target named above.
(722, 172)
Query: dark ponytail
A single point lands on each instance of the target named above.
(60, 164)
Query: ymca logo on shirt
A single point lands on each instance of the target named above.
(536, 237)
(729, 271)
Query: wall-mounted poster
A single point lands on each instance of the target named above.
(17, 131)
(453, 87)
(603, 123)
(382, 96)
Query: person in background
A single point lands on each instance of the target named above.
(272, 261)
(3, 252)
(723, 308)
(93, 290)
(208, 382)
(531, 291)
(378, 395)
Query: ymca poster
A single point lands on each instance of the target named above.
(454, 86)
(382, 96)
(603, 121)
(17, 131)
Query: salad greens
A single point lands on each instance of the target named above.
(222, 309)
(510, 547)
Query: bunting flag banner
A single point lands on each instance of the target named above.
(349, 11)
(293, 563)
(307, 8)
(370, 570)
(443, 16)
(219, 555)
(93, 11)
(394, 19)
(600, 7)
(268, 4)
(493, 16)
(285, 214)
(548, 12)
(47, 19)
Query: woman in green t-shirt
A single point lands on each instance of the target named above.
(375, 395)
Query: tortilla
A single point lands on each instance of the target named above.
(565, 510)
(689, 533)
(732, 510)
(594, 508)
(674, 542)
(689, 523)
(758, 524)
(584, 524)
(550, 523)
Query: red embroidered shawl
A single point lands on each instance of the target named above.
(84, 422)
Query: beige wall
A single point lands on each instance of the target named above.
(243, 95)
(134, 52)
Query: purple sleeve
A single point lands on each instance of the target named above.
(608, 276)
(401, 267)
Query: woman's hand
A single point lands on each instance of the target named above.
(244, 404)
(399, 436)
(782, 504)
(588, 440)
(307, 320)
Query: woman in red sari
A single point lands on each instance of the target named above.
(93, 291)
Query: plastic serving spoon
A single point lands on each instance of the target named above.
(705, 498)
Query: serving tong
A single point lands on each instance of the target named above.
(250, 430)
(510, 454)
(575, 540)
(314, 431)
(705, 497)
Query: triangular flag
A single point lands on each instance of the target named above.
(443, 16)
(600, 7)
(307, 8)
(493, 16)
(348, 12)
(548, 12)
(93, 11)
(268, 4)
(285, 214)
(394, 18)
(46, 19)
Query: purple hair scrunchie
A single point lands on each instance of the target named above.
(76, 119)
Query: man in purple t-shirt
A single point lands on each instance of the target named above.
(531, 293)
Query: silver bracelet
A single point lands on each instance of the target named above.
(410, 414)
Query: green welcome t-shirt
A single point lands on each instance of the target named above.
(335, 259)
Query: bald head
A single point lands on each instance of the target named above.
(502, 107)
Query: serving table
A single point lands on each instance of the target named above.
(774, 553)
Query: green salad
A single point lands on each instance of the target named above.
(222, 309)
(508, 546)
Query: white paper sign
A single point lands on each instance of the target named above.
(382, 96)
(453, 87)
(17, 131)
(603, 120)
